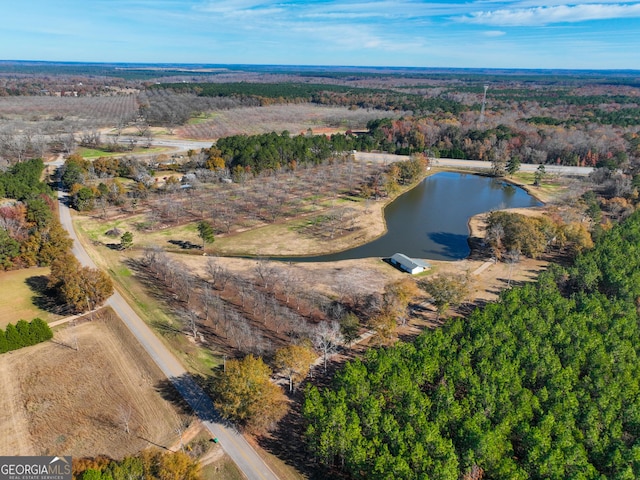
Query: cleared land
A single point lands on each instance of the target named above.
(57, 400)
(19, 297)
(278, 118)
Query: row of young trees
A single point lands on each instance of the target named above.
(24, 334)
(542, 384)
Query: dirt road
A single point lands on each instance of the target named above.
(234, 444)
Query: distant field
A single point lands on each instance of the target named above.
(277, 118)
(54, 109)
(16, 296)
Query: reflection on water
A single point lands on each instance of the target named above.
(431, 220)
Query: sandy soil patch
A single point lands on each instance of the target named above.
(67, 402)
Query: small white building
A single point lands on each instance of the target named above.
(409, 265)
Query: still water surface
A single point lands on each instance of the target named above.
(431, 220)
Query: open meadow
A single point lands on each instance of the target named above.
(79, 393)
(295, 119)
(20, 297)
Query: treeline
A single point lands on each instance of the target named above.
(22, 180)
(30, 234)
(263, 94)
(285, 92)
(271, 151)
(542, 384)
(24, 334)
(148, 464)
(532, 140)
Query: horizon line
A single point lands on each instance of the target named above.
(308, 66)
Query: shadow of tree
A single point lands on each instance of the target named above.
(168, 392)
(44, 298)
(185, 244)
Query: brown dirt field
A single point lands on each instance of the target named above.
(57, 400)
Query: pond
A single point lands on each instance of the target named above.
(431, 220)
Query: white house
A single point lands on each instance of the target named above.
(410, 265)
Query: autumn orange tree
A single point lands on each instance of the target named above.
(148, 464)
(244, 394)
(295, 361)
(81, 288)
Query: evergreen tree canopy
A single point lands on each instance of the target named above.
(544, 383)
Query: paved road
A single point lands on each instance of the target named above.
(234, 444)
(475, 164)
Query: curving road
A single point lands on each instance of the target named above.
(233, 443)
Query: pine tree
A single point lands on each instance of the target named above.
(40, 330)
(3, 342)
(14, 341)
(206, 233)
(25, 333)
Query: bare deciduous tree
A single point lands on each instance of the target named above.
(326, 339)
(191, 320)
(125, 413)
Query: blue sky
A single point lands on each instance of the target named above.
(598, 34)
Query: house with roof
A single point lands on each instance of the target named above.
(407, 264)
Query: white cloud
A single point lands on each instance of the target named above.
(545, 15)
(493, 33)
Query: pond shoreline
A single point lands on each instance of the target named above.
(442, 247)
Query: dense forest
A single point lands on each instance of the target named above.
(322, 94)
(536, 122)
(30, 234)
(272, 151)
(544, 383)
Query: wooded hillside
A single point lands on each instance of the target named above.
(543, 384)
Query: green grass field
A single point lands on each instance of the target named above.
(202, 118)
(550, 187)
(16, 297)
(92, 153)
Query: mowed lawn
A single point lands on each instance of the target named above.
(16, 297)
